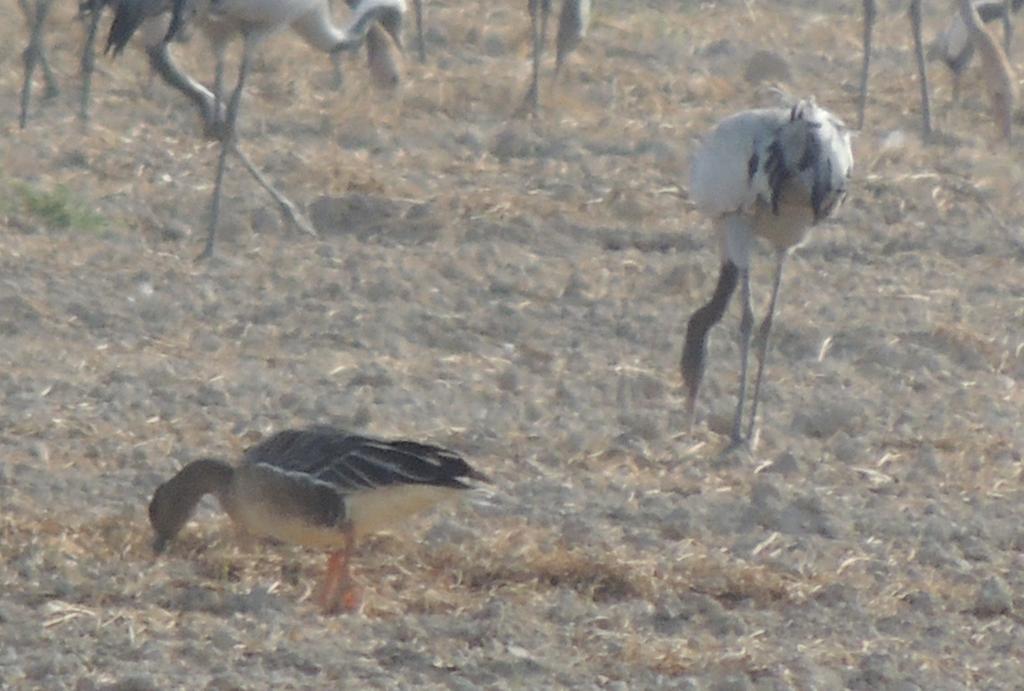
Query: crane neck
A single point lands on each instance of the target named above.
(972, 20)
(161, 62)
(319, 30)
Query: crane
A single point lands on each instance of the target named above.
(254, 21)
(998, 75)
(953, 45)
(770, 173)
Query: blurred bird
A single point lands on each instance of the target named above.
(1000, 82)
(953, 45)
(769, 173)
(384, 59)
(320, 487)
(383, 56)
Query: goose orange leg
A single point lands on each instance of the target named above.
(338, 593)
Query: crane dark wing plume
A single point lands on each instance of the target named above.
(128, 16)
(179, 14)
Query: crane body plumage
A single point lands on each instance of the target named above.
(769, 173)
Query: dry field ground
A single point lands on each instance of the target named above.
(517, 291)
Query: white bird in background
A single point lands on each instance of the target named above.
(572, 28)
(769, 173)
(870, 14)
(254, 21)
(953, 45)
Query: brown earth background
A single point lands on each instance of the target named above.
(517, 291)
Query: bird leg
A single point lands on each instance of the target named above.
(338, 593)
(870, 13)
(420, 43)
(89, 61)
(746, 328)
(695, 342)
(338, 74)
(35, 54)
(539, 11)
(762, 341)
(227, 145)
(49, 77)
(1007, 26)
(289, 211)
(218, 91)
(922, 67)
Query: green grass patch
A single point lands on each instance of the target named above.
(57, 208)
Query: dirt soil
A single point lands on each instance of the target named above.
(518, 291)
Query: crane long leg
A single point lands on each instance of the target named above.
(539, 11)
(922, 67)
(695, 342)
(746, 329)
(218, 85)
(33, 55)
(338, 73)
(420, 43)
(870, 13)
(288, 209)
(89, 61)
(230, 134)
(49, 78)
(762, 341)
(1007, 26)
